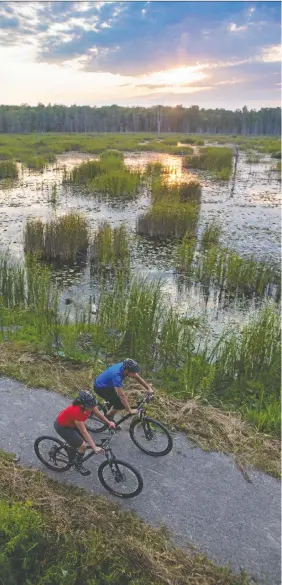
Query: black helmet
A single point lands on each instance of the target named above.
(86, 399)
(131, 365)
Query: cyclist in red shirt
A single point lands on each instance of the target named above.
(69, 424)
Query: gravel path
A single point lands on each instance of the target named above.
(200, 496)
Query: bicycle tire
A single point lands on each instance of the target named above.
(97, 425)
(44, 461)
(132, 429)
(102, 480)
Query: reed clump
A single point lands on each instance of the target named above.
(108, 175)
(217, 160)
(175, 210)
(169, 220)
(37, 163)
(234, 274)
(190, 191)
(8, 169)
(63, 239)
(211, 234)
(253, 159)
(110, 247)
(163, 192)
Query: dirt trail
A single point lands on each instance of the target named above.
(200, 496)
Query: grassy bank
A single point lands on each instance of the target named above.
(57, 535)
(241, 371)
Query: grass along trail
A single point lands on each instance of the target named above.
(201, 497)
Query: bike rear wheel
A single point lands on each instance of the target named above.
(94, 424)
(151, 436)
(120, 478)
(52, 453)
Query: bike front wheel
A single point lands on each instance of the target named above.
(52, 453)
(120, 478)
(151, 436)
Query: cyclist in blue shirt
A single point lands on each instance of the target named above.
(108, 385)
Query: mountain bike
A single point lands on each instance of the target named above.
(149, 435)
(118, 477)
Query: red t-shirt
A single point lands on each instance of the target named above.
(67, 417)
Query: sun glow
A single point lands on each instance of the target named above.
(178, 76)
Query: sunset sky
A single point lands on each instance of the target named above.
(214, 54)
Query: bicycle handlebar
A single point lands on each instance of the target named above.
(148, 396)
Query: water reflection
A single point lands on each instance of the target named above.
(250, 221)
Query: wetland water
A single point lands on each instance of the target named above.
(250, 218)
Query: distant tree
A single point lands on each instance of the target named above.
(58, 118)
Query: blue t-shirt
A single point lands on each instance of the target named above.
(111, 377)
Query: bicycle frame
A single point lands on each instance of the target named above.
(139, 407)
(106, 445)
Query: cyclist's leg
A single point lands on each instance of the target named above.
(109, 394)
(72, 437)
(77, 445)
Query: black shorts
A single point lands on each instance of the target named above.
(109, 394)
(70, 435)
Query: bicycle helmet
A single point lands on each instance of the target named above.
(131, 365)
(86, 399)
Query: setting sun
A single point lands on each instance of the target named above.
(177, 76)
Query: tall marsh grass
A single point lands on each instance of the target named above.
(28, 297)
(242, 370)
(8, 169)
(168, 220)
(217, 160)
(225, 268)
(109, 247)
(63, 239)
(248, 368)
(173, 193)
(108, 175)
(211, 234)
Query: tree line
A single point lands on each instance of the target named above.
(59, 118)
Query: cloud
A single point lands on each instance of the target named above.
(272, 54)
(234, 28)
(147, 49)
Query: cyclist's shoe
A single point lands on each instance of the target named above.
(78, 461)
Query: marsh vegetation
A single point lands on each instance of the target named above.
(237, 368)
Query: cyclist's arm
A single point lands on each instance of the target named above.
(147, 387)
(82, 428)
(101, 416)
(123, 399)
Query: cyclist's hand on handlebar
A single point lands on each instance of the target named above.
(111, 424)
(133, 411)
(98, 450)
